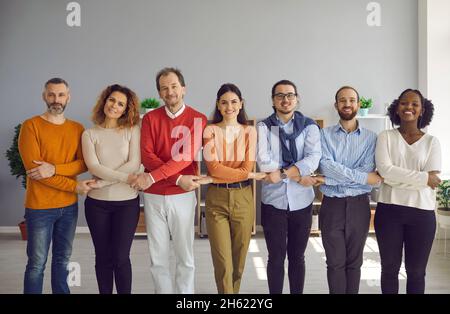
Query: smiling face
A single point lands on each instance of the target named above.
(409, 107)
(285, 99)
(229, 106)
(170, 90)
(115, 105)
(347, 104)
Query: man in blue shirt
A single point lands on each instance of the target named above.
(348, 164)
(289, 151)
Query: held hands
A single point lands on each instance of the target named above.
(43, 171)
(433, 179)
(190, 183)
(84, 186)
(373, 178)
(140, 181)
(309, 181)
(273, 177)
(203, 180)
(319, 180)
(257, 175)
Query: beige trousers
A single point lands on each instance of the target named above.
(229, 221)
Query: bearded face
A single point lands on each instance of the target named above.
(56, 96)
(347, 112)
(56, 107)
(347, 104)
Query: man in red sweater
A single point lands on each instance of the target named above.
(171, 137)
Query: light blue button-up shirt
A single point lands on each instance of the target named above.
(347, 158)
(269, 159)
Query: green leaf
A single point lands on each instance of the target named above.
(443, 194)
(15, 162)
(150, 103)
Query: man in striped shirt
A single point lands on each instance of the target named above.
(347, 164)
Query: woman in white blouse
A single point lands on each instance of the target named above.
(409, 160)
(111, 151)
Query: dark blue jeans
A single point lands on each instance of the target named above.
(44, 226)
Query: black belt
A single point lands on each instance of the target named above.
(237, 185)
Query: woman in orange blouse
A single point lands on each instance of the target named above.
(229, 153)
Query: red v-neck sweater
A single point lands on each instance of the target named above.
(169, 146)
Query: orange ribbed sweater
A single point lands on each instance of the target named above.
(59, 145)
(229, 162)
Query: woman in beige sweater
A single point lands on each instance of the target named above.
(112, 154)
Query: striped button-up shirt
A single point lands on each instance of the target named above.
(347, 158)
(288, 192)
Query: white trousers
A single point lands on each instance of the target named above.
(166, 217)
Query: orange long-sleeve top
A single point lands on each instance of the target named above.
(229, 161)
(60, 145)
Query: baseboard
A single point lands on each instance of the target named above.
(9, 229)
(82, 230)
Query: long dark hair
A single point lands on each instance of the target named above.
(225, 88)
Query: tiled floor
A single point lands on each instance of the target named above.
(13, 260)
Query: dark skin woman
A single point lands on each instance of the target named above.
(413, 112)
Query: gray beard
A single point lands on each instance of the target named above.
(54, 108)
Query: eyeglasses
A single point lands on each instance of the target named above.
(280, 96)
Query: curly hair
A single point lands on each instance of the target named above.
(131, 115)
(427, 107)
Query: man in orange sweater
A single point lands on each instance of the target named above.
(171, 137)
(50, 147)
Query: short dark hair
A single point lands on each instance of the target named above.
(345, 87)
(167, 71)
(283, 82)
(225, 88)
(56, 80)
(427, 107)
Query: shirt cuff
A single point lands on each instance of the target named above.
(156, 175)
(304, 170)
(179, 177)
(361, 177)
(151, 178)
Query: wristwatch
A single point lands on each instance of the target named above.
(283, 174)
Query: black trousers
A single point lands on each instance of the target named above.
(288, 232)
(412, 229)
(344, 224)
(112, 225)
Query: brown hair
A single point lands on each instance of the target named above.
(131, 115)
(346, 87)
(167, 71)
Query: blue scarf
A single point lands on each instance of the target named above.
(289, 155)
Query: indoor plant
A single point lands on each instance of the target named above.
(443, 200)
(17, 169)
(366, 104)
(149, 104)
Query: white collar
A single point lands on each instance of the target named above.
(176, 114)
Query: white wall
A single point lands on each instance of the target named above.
(320, 45)
(434, 69)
